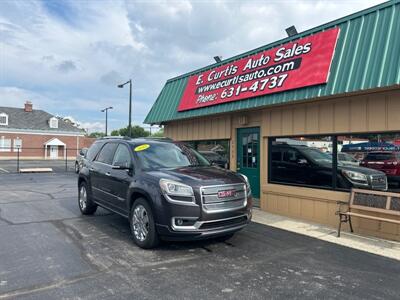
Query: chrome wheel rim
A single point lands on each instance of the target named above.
(140, 223)
(83, 198)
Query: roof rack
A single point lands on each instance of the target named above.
(154, 138)
(114, 137)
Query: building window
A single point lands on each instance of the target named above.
(339, 162)
(302, 161)
(5, 144)
(3, 119)
(216, 151)
(53, 122)
(17, 145)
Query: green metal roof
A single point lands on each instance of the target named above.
(367, 56)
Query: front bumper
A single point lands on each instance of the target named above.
(204, 229)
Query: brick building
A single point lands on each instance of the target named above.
(38, 134)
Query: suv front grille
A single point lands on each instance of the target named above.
(222, 198)
(379, 182)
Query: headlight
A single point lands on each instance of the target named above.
(356, 177)
(177, 192)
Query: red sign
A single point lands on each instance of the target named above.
(293, 65)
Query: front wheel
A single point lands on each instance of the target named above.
(86, 204)
(142, 225)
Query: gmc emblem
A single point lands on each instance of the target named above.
(226, 194)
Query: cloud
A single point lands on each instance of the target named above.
(66, 66)
(90, 127)
(67, 57)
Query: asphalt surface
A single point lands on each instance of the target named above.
(58, 166)
(49, 251)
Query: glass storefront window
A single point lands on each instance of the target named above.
(301, 161)
(216, 151)
(342, 162)
(378, 153)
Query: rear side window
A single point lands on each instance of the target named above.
(93, 150)
(107, 153)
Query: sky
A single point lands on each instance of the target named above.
(67, 57)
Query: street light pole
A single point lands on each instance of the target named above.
(106, 110)
(130, 105)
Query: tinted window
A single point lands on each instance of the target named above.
(93, 150)
(122, 156)
(301, 161)
(379, 156)
(107, 153)
(169, 155)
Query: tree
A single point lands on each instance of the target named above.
(159, 133)
(96, 134)
(137, 131)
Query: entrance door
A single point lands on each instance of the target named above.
(53, 152)
(248, 156)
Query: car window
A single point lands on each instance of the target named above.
(379, 156)
(122, 157)
(107, 153)
(290, 155)
(168, 155)
(93, 150)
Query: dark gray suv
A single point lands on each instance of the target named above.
(166, 189)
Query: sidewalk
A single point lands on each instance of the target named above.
(373, 245)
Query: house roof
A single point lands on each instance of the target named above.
(19, 119)
(366, 57)
(54, 142)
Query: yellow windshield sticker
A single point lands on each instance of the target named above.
(142, 147)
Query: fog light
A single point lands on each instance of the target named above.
(179, 222)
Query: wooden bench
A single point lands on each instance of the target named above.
(367, 202)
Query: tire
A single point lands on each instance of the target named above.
(85, 202)
(76, 167)
(142, 225)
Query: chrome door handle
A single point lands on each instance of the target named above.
(108, 174)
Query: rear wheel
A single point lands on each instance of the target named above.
(86, 204)
(142, 225)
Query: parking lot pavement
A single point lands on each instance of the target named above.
(11, 165)
(49, 251)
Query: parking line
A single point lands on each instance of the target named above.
(4, 170)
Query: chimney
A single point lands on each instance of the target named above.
(28, 106)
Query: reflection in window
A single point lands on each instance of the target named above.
(368, 161)
(379, 153)
(303, 161)
(215, 151)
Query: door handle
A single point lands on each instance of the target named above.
(91, 169)
(108, 174)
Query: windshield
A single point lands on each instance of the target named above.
(380, 156)
(168, 156)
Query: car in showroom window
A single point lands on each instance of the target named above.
(307, 161)
(378, 151)
(166, 189)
